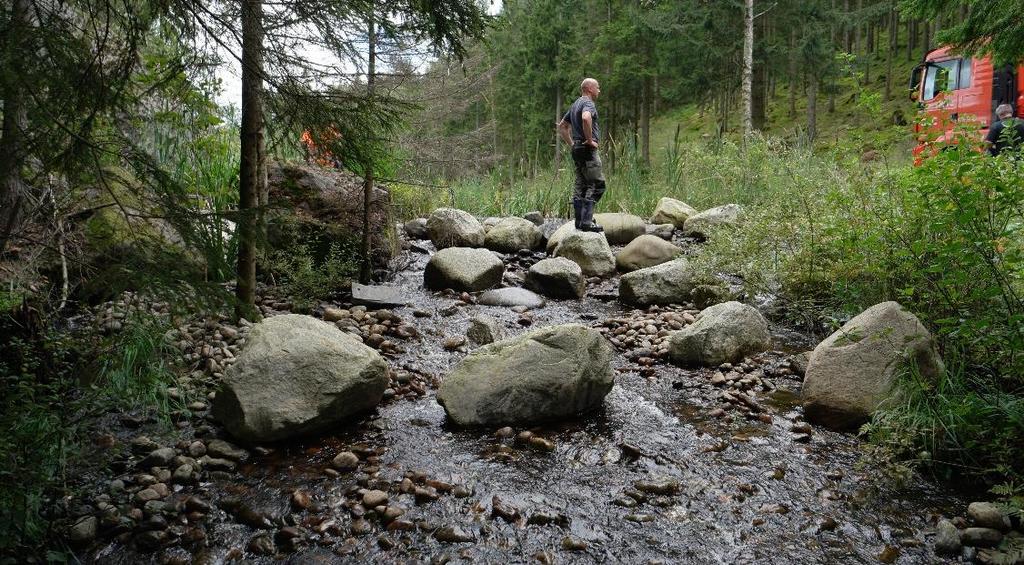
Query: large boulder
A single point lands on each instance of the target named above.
(315, 209)
(852, 371)
(620, 227)
(723, 333)
(297, 375)
(449, 227)
(702, 224)
(463, 268)
(672, 282)
(556, 236)
(590, 251)
(548, 374)
(672, 211)
(646, 251)
(509, 235)
(556, 277)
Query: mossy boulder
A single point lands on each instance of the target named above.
(552, 373)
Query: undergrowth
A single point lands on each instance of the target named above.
(46, 409)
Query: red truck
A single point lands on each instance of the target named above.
(953, 89)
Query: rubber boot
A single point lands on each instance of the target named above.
(577, 208)
(588, 217)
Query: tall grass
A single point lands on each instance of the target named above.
(703, 175)
(203, 164)
(960, 424)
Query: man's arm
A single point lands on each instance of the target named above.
(588, 129)
(993, 137)
(563, 130)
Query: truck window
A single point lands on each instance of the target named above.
(965, 74)
(940, 77)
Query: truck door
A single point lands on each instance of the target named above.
(1004, 88)
(939, 89)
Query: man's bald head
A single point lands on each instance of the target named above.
(590, 87)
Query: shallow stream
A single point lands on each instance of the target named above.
(726, 488)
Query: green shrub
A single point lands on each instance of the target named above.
(307, 279)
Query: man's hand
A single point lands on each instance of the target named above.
(591, 143)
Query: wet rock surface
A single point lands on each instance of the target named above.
(589, 250)
(463, 268)
(645, 251)
(678, 465)
(552, 373)
(556, 277)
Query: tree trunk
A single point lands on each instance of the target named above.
(251, 173)
(792, 74)
(645, 123)
(612, 122)
(812, 108)
(366, 268)
(748, 67)
(849, 29)
(927, 38)
(894, 23)
(15, 123)
(760, 81)
(494, 118)
(558, 117)
(657, 94)
(857, 35)
(911, 37)
(636, 125)
(871, 37)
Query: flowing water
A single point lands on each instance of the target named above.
(742, 490)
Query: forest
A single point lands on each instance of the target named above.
(547, 281)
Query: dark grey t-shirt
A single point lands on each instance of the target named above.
(575, 117)
(1009, 140)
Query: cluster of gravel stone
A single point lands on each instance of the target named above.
(979, 535)
(645, 333)
(110, 317)
(209, 346)
(151, 501)
(374, 327)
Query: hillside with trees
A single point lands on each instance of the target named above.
(362, 315)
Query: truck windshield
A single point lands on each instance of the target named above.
(940, 77)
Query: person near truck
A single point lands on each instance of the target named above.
(579, 129)
(1006, 133)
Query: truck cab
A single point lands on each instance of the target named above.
(951, 89)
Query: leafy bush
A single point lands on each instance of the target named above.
(961, 424)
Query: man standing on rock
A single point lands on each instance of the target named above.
(579, 129)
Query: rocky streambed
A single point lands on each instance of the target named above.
(709, 465)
